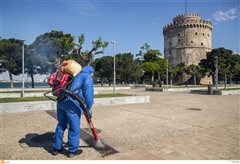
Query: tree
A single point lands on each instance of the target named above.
(35, 64)
(153, 61)
(151, 55)
(217, 58)
(150, 67)
(47, 52)
(180, 71)
(161, 69)
(104, 68)
(87, 57)
(143, 50)
(194, 71)
(54, 45)
(11, 57)
(127, 68)
(234, 73)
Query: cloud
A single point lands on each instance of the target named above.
(228, 15)
(84, 8)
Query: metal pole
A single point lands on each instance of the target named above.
(167, 75)
(216, 73)
(114, 68)
(22, 69)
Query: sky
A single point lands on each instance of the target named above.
(130, 23)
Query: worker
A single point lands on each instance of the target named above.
(69, 112)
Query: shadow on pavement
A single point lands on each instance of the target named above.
(87, 137)
(46, 140)
(40, 140)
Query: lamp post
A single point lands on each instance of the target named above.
(167, 73)
(114, 68)
(216, 73)
(22, 95)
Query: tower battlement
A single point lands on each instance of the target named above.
(188, 20)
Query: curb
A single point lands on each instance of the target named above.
(27, 94)
(51, 105)
(221, 92)
(172, 89)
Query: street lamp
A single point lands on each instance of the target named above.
(216, 73)
(114, 68)
(22, 95)
(167, 73)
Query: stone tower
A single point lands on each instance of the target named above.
(187, 39)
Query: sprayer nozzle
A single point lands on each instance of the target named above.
(99, 145)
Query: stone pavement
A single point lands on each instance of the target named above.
(171, 126)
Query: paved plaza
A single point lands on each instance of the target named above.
(172, 126)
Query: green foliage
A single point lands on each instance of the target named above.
(11, 57)
(127, 68)
(104, 68)
(150, 67)
(234, 71)
(220, 58)
(47, 52)
(143, 50)
(195, 72)
(87, 57)
(55, 46)
(151, 55)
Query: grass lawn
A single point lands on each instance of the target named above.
(26, 91)
(24, 99)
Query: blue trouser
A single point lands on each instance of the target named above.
(67, 113)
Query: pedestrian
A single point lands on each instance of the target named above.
(69, 112)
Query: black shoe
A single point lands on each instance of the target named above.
(56, 152)
(72, 154)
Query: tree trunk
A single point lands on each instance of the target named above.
(194, 80)
(225, 81)
(230, 79)
(27, 82)
(101, 81)
(171, 75)
(109, 83)
(32, 78)
(11, 79)
(159, 79)
(152, 76)
(127, 81)
(213, 79)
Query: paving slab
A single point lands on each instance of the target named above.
(169, 127)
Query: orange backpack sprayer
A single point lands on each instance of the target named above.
(60, 82)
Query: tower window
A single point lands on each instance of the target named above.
(191, 41)
(202, 44)
(178, 34)
(195, 33)
(179, 40)
(170, 43)
(202, 33)
(208, 35)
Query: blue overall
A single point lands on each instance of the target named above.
(69, 111)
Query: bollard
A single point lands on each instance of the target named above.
(210, 89)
